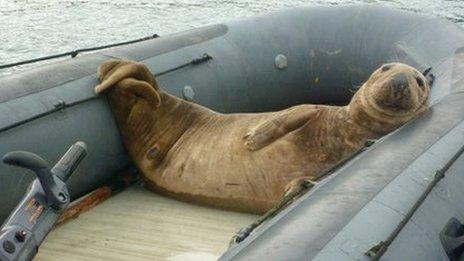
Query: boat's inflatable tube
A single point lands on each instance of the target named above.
(304, 55)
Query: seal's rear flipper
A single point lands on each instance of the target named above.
(141, 89)
(113, 71)
(278, 126)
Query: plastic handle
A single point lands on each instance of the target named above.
(25, 159)
(68, 163)
(35, 163)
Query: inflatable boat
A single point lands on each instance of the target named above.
(399, 198)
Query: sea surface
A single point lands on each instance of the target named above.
(35, 28)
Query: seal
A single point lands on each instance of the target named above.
(247, 162)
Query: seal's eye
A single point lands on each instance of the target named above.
(386, 68)
(420, 82)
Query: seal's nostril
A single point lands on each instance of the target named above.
(386, 68)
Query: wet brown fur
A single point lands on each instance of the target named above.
(244, 162)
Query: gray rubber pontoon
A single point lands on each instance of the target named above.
(303, 55)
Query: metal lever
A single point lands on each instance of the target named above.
(39, 166)
(452, 239)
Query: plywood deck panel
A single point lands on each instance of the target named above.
(138, 224)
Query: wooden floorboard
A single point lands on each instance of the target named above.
(137, 224)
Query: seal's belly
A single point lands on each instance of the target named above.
(211, 161)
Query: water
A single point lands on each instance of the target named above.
(34, 28)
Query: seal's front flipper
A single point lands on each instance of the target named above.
(113, 71)
(263, 134)
(279, 125)
(297, 185)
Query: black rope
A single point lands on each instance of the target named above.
(203, 58)
(61, 105)
(377, 251)
(76, 52)
(58, 107)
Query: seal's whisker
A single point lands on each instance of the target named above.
(355, 88)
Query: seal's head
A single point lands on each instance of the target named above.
(393, 94)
